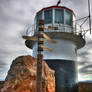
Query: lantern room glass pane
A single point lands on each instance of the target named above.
(59, 16)
(39, 16)
(68, 18)
(48, 16)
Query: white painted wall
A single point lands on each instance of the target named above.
(64, 49)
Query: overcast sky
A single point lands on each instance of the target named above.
(16, 15)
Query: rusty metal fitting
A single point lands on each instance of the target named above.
(41, 22)
(41, 28)
(40, 56)
(40, 36)
(40, 42)
(40, 49)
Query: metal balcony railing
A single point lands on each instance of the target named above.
(33, 30)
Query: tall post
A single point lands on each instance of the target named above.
(89, 15)
(39, 56)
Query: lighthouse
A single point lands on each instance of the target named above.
(59, 25)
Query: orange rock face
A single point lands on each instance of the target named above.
(22, 76)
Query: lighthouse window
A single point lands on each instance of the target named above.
(48, 16)
(68, 18)
(59, 16)
(39, 16)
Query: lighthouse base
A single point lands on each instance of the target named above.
(65, 75)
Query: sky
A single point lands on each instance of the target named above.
(17, 15)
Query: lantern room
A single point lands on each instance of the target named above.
(57, 18)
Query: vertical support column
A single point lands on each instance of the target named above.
(39, 56)
(89, 16)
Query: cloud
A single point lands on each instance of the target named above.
(86, 69)
(14, 15)
(85, 59)
(3, 73)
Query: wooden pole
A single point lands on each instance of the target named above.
(39, 56)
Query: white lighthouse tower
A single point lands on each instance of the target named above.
(60, 26)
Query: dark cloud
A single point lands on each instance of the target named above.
(89, 44)
(3, 64)
(86, 69)
(83, 62)
(84, 54)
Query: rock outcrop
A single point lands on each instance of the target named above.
(85, 87)
(22, 76)
(1, 85)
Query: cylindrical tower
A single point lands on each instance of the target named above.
(60, 26)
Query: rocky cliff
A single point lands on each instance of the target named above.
(22, 76)
(1, 85)
(85, 87)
